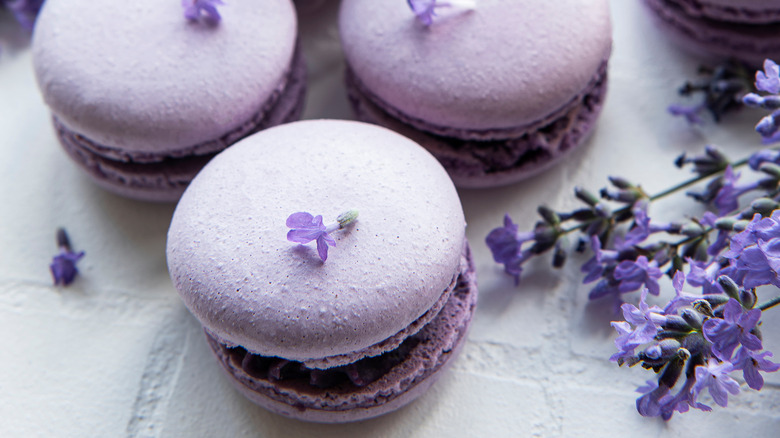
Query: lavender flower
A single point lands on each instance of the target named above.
(633, 274)
(207, 9)
(425, 10)
(506, 243)
(25, 11)
(714, 376)
(751, 362)
(691, 113)
(306, 228)
(733, 330)
(645, 321)
(721, 89)
(769, 79)
(63, 265)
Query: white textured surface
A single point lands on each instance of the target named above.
(502, 65)
(116, 354)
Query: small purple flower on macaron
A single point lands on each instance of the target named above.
(63, 265)
(425, 10)
(306, 227)
(207, 9)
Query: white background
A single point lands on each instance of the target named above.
(116, 353)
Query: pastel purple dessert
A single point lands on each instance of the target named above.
(497, 92)
(142, 97)
(357, 335)
(748, 30)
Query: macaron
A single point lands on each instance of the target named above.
(496, 92)
(350, 336)
(748, 30)
(143, 96)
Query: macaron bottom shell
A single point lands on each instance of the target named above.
(163, 178)
(491, 163)
(418, 367)
(710, 37)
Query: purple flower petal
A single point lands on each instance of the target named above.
(769, 79)
(322, 248)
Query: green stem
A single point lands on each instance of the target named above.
(769, 304)
(683, 185)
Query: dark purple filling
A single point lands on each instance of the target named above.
(534, 144)
(364, 371)
(359, 373)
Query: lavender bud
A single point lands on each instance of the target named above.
(696, 344)
(628, 196)
(680, 161)
(586, 196)
(582, 244)
(729, 286)
(620, 182)
(63, 242)
(716, 154)
(716, 300)
(766, 126)
(747, 298)
(691, 230)
(661, 352)
(765, 206)
(671, 373)
(559, 256)
(603, 211)
(347, 218)
(693, 318)
(583, 215)
(549, 215)
(740, 225)
(675, 322)
(725, 223)
(703, 307)
(545, 239)
(752, 99)
(772, 102)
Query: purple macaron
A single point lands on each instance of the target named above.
(497, 92)
(748, 30)
(356, 333)
(144, 93)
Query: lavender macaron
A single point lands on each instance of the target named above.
(144, 93)
(748, 30)
(497, 90)
(359, 321)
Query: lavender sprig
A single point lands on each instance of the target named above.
(63, 265)
(699, 337)
(306, 228)
(721, 88)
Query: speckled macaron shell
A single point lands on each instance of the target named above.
(230, 261)
(139, 77)
(502, 65)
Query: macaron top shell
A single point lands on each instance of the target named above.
(140, 77)
(503, 64)
(230, 261)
